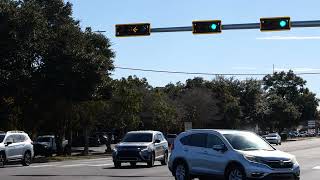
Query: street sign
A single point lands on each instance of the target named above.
(206, 27)
(311, 123)
(275, 24)
(127, 30)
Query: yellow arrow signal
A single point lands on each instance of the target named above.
(135, 29)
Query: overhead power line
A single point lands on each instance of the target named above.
(204, 73)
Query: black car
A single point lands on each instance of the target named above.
(141, 146)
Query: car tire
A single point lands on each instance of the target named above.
(165, 159)
(2, 159)
(181, 171)
(151, 161)
(117, 164)
(133, 164)
(27, 159)
(235, 172)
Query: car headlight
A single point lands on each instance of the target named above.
(115, 148)
(144, 148)
(294, 160)
(254, 159)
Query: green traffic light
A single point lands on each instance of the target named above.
(213, 26)
(283, 23)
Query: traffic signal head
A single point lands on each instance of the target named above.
(3, 22)
(275, 24)
(206, 27)
(125, 30)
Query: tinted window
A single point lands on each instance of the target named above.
(2, 136)
(43, 139)
(138, 137)
(213, 140)
(198, 140)
(16, 138)
(23, 138)
(172, 136)
(9, 139)
(247, 142)
(161, 137)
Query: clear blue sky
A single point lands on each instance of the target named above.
(240, 51)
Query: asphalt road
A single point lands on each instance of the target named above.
(307, 152)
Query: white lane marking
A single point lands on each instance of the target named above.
(47, 165)
(99, 165)
(316, 168)
(89, 160)
(73, 165)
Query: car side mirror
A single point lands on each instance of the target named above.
(157, 141)
(8, 143)
(220, 147)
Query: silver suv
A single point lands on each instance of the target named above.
(15, 146)
(141, 146)
(229, 154)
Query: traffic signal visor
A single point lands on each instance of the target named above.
(206, 27)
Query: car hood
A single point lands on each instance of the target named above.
(268, 155)
(133, 144)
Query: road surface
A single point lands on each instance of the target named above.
(307, 152)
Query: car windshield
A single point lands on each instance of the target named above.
(2, 137)
(272, 135)
(172, 136)
(138, 137)
(43, 139)
(247, 141)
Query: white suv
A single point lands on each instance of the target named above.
(15, 146)
(230, 154)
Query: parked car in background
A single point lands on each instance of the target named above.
(15, 146)
(141, 146)
(229, 154)
(303, 134)
(273, 138)
(79, 141)
(46, 145)
(171, 138)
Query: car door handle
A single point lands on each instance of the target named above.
(205, 152)
(186, 150)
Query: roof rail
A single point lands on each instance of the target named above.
(15, 131)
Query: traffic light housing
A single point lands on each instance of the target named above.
(3, 22)
(126, 30)
(275, 24)
(206, 27)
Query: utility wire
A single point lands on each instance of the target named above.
(204, 73)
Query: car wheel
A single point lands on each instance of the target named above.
(117, 164)
(181, 172)
(235, 173)
(151, 161)
(133, 164)
(27, 159)
(2, 159)
(165, 159)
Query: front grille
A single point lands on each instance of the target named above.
(280, 176)
(279, 164)
(128, 154)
